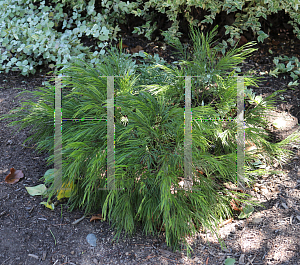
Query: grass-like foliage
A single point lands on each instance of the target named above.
(149, 139)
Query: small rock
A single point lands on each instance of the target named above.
(257, 220)
(126, 253)
(242, 259)
(72, 252)
(91, 239)
(95, 260)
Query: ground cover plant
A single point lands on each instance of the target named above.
(37, 33)
(149, 145)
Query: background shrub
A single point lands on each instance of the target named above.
(37, 33)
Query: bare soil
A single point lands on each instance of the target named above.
(33, 234)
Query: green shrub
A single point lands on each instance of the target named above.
(34, 34)
(243, 15)
(149, 147)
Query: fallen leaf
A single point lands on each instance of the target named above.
(246, 212)
(96, 217)
(207, 260)
(50, 206)
(14, 176)
(243, 40)
(229, 261)
(36, 190)
(225, 222)
(137, 49)
(235, 206)
(65, 191)
(240, 41)
(123, 45)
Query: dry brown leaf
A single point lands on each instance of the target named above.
(207, 260)
(225, 222)
(241, 41)
(96, 217)
(235, 205)
(137, 49)
(123, 45)
(14, 176)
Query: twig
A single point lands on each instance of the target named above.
(166, 258)
(250, 261)
(53, 236)
(149, 257)
(5, 261)
(78, 220)
(3, 213)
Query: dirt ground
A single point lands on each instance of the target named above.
(33, 234)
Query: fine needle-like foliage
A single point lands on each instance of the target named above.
(149, 139)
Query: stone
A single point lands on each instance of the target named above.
(257, 218)
(91, 239)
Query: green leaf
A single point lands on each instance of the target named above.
(229, 261)
(35, 37)
(246, 212)
(50, 24)
(289, 66)
(16, 36)
(274, 72)
(36, 190)
(293, 84)
(13, 60)
(295, 77)
(83, 28)
(49, 175)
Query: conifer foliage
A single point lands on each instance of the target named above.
(149, 138)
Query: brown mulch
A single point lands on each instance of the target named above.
(33, 234)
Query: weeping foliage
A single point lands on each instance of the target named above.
(149, 139)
